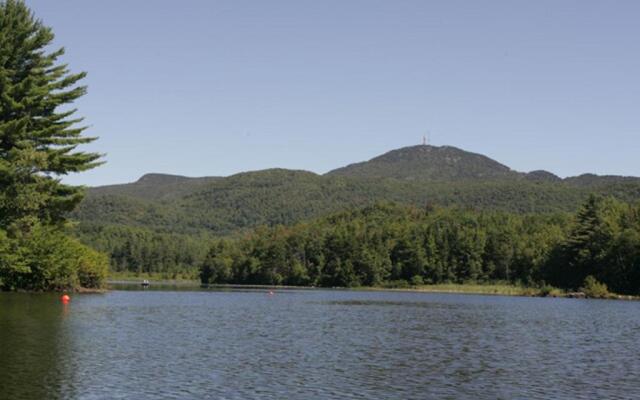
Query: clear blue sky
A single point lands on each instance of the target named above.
(203, 87)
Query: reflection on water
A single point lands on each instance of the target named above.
(32, 342)
(387, 303)
(316, 345)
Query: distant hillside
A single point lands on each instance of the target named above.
(542, 176)
(156, 186)
(592, 180)
(416, 175)
(429, 163)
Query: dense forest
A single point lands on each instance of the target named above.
(223, 206)
(397, 244)
(393, 243)
(138, 250)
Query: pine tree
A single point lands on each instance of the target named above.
(587, 245)
(38, 131)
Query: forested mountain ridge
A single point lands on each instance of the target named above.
(414, 175)
(423, 163)
(156, 186)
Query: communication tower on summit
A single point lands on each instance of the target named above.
(425, 139)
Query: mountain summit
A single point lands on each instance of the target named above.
(429, 163)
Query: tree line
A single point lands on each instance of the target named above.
(389, 243)
(134, 250)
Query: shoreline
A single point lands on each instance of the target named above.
(445, 288)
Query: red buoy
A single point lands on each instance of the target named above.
(65, 298)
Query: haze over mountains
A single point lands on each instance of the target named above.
(416, 175)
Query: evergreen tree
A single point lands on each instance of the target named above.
(587, 245)
(38, 139)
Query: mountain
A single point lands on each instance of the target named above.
(429, 163)
(415, 175)
(592, 180)
(156, 186)
(542, 176)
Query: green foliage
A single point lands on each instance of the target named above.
(603, 242)
(223, 206)
(216, 267)
(93, 267)
(9, 264)
(372, 246)
(140, 250)
(590, 237)
(417, 280)
(37, 140)
(397, 246)
(499, 224)
(375, 245)
(594, 289)
(46, 259)
(38, 144)
(157, 186)
(546, 290)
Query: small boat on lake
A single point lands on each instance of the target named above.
(145, 283)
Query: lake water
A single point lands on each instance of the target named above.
(316, 345)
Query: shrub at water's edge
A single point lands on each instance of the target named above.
(594, 289)
(488, 288)
(46, 259)
(93, 267)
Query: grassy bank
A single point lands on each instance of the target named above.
(505, 289)
(501, 289)
(152, 276)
